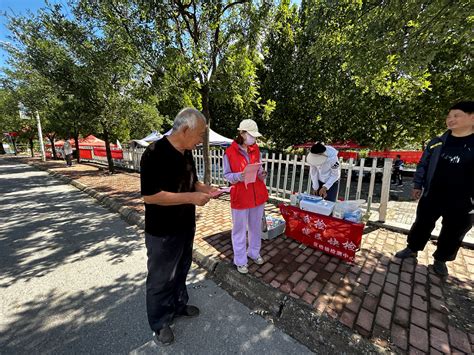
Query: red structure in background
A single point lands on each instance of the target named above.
(346, 145)
(89, 141)
(11, 134)
(85, 153)
(101, 152)
(341, 146)
(89, 147)
(331, 235)
(337, 145)
(408, 156)
(348, 155)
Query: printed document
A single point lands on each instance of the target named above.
(250, 172)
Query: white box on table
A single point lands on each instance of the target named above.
(322, 207)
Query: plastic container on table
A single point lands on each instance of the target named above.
(322, 207)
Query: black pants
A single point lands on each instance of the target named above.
(69, 159)
(169, 260)
(331, 193)
(456, 223)
(397, 177)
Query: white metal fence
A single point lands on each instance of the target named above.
(288, 173)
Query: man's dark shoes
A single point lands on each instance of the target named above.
(164, 336)
(406, 253)
(440, 268)
(188, 311)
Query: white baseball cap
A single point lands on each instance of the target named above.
(316, 159)
(317, 155)
(250, 127)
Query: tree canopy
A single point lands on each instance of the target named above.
(380, 73)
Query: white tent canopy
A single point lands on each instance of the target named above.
(144, 142)
(214, 138)
(153, 136)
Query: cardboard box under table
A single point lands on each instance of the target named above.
(331, 235)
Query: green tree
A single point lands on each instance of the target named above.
(91, 69)
(380, 73)
(183, 44)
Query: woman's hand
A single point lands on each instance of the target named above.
(263, 175)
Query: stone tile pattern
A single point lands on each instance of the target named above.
(391, 301)
(403, 213)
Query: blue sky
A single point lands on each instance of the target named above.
(17, 7)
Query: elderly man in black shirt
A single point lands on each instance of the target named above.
(171, 190)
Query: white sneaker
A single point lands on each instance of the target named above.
(243, 269)
(259, 260)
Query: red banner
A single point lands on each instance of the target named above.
(331, 235)
(408, 157)
(348, 155)
(85, 153)
(101, 152)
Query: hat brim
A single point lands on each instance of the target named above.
(252, 133)
(316, 159)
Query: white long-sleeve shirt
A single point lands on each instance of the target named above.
(329, 172)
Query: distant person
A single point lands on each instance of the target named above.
(397, 171)
(444, 180)
(247, 202)
(171, 190)
(324, 170)
(67, 151)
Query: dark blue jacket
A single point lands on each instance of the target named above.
(428, 162)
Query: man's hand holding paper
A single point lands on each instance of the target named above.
(220, 191)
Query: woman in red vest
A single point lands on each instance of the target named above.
(247, 202)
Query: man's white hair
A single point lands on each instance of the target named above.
(188, 117)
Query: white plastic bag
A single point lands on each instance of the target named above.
(346, 207)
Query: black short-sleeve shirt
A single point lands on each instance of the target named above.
(163, 168)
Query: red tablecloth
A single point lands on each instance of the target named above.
(331, 235)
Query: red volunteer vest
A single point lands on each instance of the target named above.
(255, 193)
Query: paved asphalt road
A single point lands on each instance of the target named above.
(72, 281)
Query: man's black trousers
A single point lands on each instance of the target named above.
(455, 224)
(169, 260)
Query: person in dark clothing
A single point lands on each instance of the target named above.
(171, 190)
(444, 180)
(397, 171)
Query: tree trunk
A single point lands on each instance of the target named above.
(110, 161)
(15, 150)
(76, 143)
(205, 145)
(53, 147)
(31, 147)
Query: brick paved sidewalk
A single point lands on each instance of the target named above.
(392, 302)
(401, 214)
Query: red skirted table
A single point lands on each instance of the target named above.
(331, 235)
